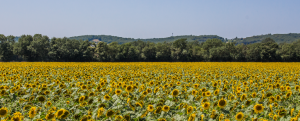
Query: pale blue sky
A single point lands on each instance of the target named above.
(149, 18)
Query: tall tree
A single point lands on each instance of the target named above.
(6, 47)
(20, 48)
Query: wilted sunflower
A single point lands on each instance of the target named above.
(110, 113)
(3, 112)
(222, 103)
(150, 108)
(175, 92)
(127, 117)
(239, 116)
(258, 108)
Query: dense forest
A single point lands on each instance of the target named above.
(42, 48)
(121, 40)
(278, 38)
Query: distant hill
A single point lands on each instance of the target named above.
(120, 40)
(278, 38)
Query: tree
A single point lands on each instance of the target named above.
(180, 43)
(39, 47)
(268, 50)
(6, 47)
(20, 48)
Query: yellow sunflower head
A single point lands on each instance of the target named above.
(239, 116)
(258, 108)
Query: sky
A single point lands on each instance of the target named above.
(149, 18)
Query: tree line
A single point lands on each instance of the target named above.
(42, 48)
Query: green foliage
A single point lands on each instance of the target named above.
(41, 48)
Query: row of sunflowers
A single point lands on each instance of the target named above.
(191, 91)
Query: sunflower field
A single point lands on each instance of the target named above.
(145, 91)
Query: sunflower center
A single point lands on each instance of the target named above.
(3, 112)
(222, 102)
(239, 116)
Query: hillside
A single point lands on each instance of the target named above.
(120, 40)
(278, 38)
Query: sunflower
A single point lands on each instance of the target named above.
(127, 117)
(243, 97)
(3, 112)
(16, 118)
(204, 100)
(190, 109)
(106, 97)
(206, 105)
(166, 108)
(289, 94)
(150, 108)
(50, 115)
(118, 118)
(216, 92)
(192, 117)
(83, 87)
(162, 119)
(86, 118)
(248, 102)
(258, 108)
(48, 104)
(175, 92)
(81, 99)
(110, 113)
(65, 114)
(83, 104)
(253, 95)
(282, 112)
(32, 112)
(239, 116)
(208, 93)
(47, 92)
(100, 112)
(129, 88)
(158, 110)
(222, 103)
(59, 113)
(118, 91)
(91, 93)
(194, 92)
